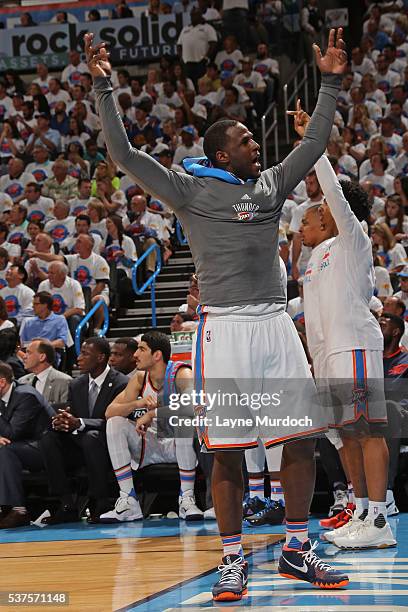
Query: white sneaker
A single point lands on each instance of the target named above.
(392, 509)
(188, 510)
(127, 508)
(366, 535)
(209, 515)
(344, 530)
(340, 502)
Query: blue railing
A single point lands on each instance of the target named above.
(86, 319)
(151, 281)
(180, 234)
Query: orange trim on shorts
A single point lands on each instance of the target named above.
(293, 437)
(215, 447)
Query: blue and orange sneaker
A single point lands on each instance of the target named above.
(234, 579)
(305, 565)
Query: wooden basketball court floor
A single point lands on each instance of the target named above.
(168, 565)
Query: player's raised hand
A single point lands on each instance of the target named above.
(335, 60)
(97, 57)
(300, 119)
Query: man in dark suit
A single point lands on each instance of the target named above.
(24, 415)
(78, 435)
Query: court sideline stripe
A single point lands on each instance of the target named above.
(139, 602)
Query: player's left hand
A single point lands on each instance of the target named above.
(97, 57)
(335, 60)
(300, 119)
(143, 423)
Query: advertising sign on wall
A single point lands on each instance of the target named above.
(129, 41)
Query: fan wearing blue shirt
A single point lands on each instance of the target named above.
(46, 324)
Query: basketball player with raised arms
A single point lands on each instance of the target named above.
(230, 212)
(346, 344)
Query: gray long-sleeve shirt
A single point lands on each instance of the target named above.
(232, 229)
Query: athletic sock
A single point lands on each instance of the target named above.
(256, 487)
(277, 492)
(361, 507)
(124, 477)
(297, 532)
(231, 544)
(390, 497)
(377, 512)
(187, 480)
(20, 509)
(350, 493)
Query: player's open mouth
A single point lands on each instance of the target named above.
(256, 161)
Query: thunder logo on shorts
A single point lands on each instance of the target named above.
(58, 304)
(83, 275)
(12, 305)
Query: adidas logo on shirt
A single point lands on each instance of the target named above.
(246, 197)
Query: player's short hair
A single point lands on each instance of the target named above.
(357, 198)
(397, 322)
(157, 341)
(101, 344)
(216, 138)
(130, 344)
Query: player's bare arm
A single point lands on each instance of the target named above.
(126, 402)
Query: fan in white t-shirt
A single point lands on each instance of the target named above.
(188, 148)
(62, 227)
(18, 297)
(230, 56)
(71, 75)
(39, 208)
(90, 270)
(391, 253)
(383, 183)
(68, 298)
